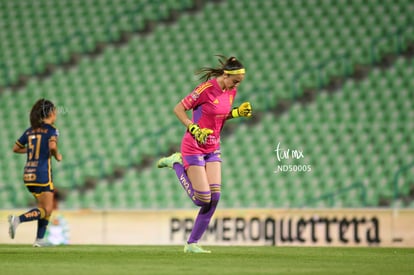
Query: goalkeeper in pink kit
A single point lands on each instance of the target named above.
(198, 166)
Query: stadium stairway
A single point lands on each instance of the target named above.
(38, 38)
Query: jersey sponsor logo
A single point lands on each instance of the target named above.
(34, 163)
(32, 214)
(28, 170)
(38, 131)
(29, 177)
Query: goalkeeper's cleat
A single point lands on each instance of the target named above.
(194, 248)
(41, 243)
(13, 223)
(170, 160)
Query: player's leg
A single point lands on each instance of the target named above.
(191, 172)
(213, 174)
(198, 177)
(45, 201)
(175, 162)
(207, 210)
(213, 171)
(31, 215)
(180, 164)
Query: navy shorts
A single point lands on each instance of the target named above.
(37, 188)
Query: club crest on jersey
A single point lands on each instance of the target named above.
(195, 95)
(216, 101)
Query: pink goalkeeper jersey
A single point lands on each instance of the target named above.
(210, 107)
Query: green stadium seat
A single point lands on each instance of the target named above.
(130, 83)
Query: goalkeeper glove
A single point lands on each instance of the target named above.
(200, 134)
(245, 110)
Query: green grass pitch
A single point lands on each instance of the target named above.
(96, 259)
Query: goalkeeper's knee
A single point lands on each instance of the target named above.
(201, 198)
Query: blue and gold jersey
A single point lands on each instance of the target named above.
(38, 168)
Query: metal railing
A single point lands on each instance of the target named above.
(396, 188)
(331, 196)
(320, 72)
(398, 40)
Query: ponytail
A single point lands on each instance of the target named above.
(227, 65)
(40, 110)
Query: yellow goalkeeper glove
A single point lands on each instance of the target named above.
(245, 110)
(200, 134)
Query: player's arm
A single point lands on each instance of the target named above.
(180, 112)
(200, 134)
(53, 148)
(19, 149)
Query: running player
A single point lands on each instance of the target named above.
(39, 143)
(198, 166)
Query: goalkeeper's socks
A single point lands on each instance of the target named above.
(203, 218)
(32, 215)
(184, 180)
(199, 198)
